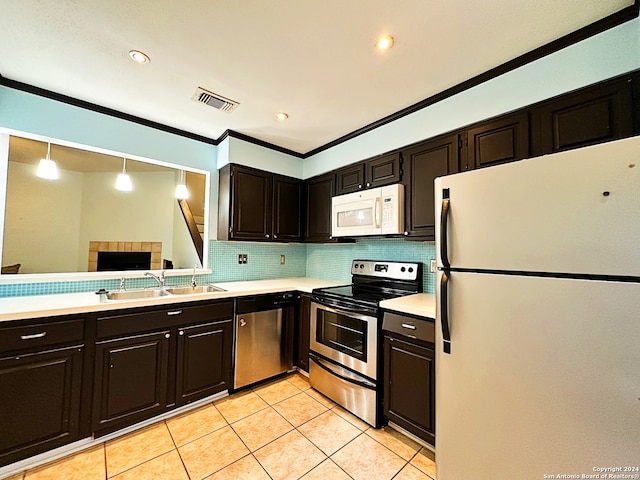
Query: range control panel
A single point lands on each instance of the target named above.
(393, 270)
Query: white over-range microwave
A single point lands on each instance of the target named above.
(377, 211)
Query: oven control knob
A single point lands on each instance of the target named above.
(410, 269)
(402, 269)
(361, 265)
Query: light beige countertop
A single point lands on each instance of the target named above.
(17, 308)
(420, 304)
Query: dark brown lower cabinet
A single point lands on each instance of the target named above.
(40, 401)
(130, 382)
(303, 332)
(204, 360)
(409, 386)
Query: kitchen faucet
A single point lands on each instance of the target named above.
(193, 277)
(159, 279)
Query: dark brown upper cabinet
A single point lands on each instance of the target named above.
(288, 209)
(376, 172)
(350, 179)
(500, 140)
(319, 191)
(423, 163)
(594, 115)
(258, 205)
(383, 170)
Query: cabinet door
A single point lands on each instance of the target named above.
(595, 115)
(503, 140)
(204, 360)
(318, 219)
(350, 179)
(423, 163)
(383, 171)
(303, 332)
(250, 204)
(130, 382)
(40, 399)
(409, 387)
(288, 213)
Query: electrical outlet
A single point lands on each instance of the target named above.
(282, 260)
(433, 266)
(242, 258)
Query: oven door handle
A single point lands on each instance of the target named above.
(336, 373)
(359, 316)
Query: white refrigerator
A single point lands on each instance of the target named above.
(538, 328)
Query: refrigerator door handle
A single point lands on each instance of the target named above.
(444, 312)
(444, 219)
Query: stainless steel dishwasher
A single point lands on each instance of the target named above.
(264, 336)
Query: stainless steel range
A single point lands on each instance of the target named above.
(346, 344)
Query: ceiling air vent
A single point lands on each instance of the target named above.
(214, 100)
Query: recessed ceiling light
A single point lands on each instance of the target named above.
(139, 57)
(384, 42)
(282, 116)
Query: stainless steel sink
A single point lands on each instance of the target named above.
(191, 290)
(134, 294)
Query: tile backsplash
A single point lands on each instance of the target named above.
(333, 262)
(330, 261)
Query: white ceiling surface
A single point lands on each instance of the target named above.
(312, 59)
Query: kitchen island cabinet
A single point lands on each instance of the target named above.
(41, 370)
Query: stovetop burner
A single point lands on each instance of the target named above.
(375, 281)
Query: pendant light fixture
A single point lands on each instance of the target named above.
(181, 189)
(47, 168)
(123, 182)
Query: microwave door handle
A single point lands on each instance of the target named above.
(377, 213)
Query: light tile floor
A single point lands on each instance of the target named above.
(280, 431)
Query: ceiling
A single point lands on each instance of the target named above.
(25, 150)
(314, 60)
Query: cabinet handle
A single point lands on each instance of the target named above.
(167, 335)
(275, 236)
(181, 332)
(360, 185)
(368, 184)
(175, 312)
(267, 235)
(32, 336)
(409, 326)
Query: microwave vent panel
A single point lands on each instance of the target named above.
(214, 100)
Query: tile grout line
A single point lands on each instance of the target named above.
(184, 465)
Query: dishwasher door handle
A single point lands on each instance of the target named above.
(242, 321)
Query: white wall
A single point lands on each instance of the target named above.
(143, 215)
(603, 56)
(29, 213)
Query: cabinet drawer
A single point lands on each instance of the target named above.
(411, 327)
(165, 318)
(40, 335)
